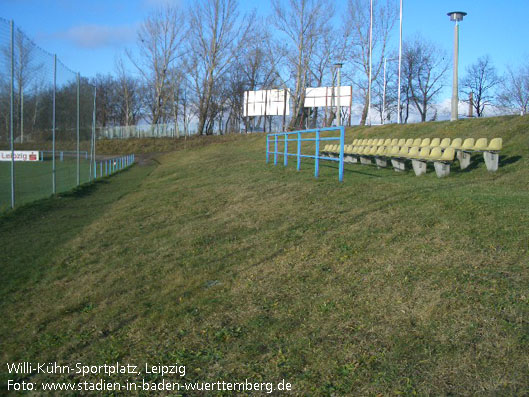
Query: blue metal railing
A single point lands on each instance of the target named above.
(109, 166)
(317, 139)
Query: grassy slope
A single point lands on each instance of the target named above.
(386, 283)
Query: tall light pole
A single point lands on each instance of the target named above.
(400, 64)
(338, 67)
(370, 59)
(455, 16)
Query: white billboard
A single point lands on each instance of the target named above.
(321, 97)
(266, 102)
(20, 155)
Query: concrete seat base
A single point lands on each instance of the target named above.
(381, 162)
(441, 169)
(399, 165)
(464, 159)
(419, 167)
(365, 160)
(491, 161)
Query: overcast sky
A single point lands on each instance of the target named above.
(87, 35)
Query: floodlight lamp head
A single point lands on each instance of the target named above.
(338, 65)
(456, 16)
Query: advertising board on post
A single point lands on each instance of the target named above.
(20, 155)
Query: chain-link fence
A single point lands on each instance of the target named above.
(46, 122)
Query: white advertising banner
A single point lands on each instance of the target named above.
(20, 155)
(266, 102)
(321, 97)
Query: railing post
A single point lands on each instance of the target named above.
(285, 156)
(267, 147)
(275, 150)
(340, 167)
(299, 150)
(317, 155)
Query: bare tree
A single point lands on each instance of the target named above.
(358, 22)
(386, 105)
(128, 98)
(303, 24)
(515, 91)
(327, 51)
(480, 80)
(424, 70)
(160, 40)
(216, 35)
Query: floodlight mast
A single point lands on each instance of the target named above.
(338, 66)
(400, 65)
(455, 16)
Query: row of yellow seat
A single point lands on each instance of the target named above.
(426, 153)
(469, 144)
(420, 151)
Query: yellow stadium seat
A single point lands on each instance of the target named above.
(481, 144)
(403, 151)
(380, 142)
(414, 152)
(387, 142)
(468, 144)
(409, 142)
(495, 145)
(373, 151)
(381, 150)
(416, 142)
(424, 153)
(355, 141)
(448, 155)
(401, 142)
(435, 142)
(394, 142)
(445, 143)
(394, 151)
(457, 143)
(369, 142)
(435, 154)
(425, 142)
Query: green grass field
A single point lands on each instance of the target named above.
(386, 284)
(33, 180)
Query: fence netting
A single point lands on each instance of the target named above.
(51, 121)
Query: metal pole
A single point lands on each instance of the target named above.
(247, 94)
(54, 182)
(267, 147)
(21, 114)
(317, 155)
(285, 155)
(370, 60)
(455, 96)
(384, 95)
(77, 131)
(299, 151)
(284, 108)
(400, 64)
(340, 166)
(275, 150)
(11, 111)
(339, 108)
(94, 126)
